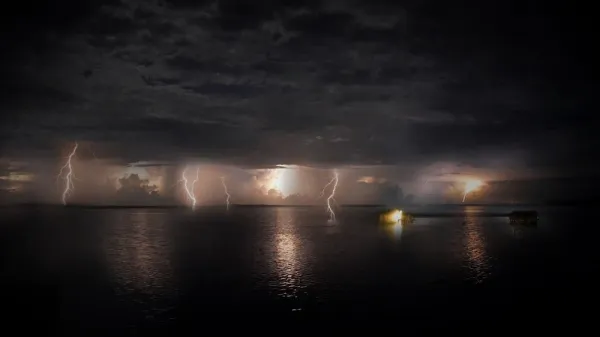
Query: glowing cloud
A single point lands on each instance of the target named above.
(371, 180)
(366, 180)
(471, 186)
(280, 180)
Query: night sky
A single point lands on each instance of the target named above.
(405, 92)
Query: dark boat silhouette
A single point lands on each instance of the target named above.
(527, 218)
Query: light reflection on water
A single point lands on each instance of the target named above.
(281, 259)
(398, 228)
(289, 263)
(394, 230)
(477, 260)
(138, 253)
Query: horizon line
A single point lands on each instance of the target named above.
(276, 205)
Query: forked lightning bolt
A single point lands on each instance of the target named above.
(226, 191)
(68, 178)
(189, 190)
(325, 187)
(331, 197)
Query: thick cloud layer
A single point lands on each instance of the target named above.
(321, 83)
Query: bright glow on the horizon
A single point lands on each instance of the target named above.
(471, 186)
(281, 180)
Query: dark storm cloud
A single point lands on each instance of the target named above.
(304, 82)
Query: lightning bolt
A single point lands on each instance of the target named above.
(331, 197)
(226, 192)
(325, 187)
(190, 190)
(68, 178)
(471, 186)
(91, 150)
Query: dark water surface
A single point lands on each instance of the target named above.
(126, 272)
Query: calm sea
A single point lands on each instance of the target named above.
(125, 272)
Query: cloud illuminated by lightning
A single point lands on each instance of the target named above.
(226, 191)
(68, 178)
(189, 190)
(331, 197)
(470, 186)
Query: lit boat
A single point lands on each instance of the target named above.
(395, 216)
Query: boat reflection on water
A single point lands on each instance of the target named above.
(521, 231)
(397, 229)
(394, 230)
(523, 222)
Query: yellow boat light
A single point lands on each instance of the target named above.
(393, 216)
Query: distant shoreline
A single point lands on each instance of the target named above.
(83, 206)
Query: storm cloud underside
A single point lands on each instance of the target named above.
(403, 86)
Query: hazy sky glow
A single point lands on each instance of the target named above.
(420, 96)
